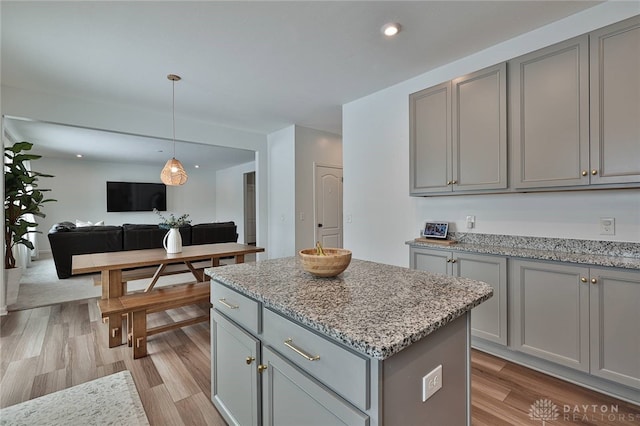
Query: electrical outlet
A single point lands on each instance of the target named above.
(431, 383)
(607, 226)
(471, 222)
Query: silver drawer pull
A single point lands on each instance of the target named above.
(289, 343)
(228, 305)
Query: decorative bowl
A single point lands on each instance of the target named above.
(333, 263)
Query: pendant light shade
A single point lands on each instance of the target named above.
(173, 173)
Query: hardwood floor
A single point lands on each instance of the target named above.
(47, 349)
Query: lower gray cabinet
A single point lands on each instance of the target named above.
(615, 325)
(235, 382)
(489, 319)
(550, 312)
(580, 317)
(290, 397)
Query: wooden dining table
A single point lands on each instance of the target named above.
(111, 266)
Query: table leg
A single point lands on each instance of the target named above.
(111, 289)
(198, 274)
(239, 258)
(215, 262)
(139, 334)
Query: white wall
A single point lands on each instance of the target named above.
(311, 147)
(80, 190)
(376, 166)
(230, 195)
(281, 193)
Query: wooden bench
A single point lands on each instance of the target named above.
(137, 305)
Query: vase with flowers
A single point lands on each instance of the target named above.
(172, 241)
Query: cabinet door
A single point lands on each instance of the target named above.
(489, 319)
(480, 130)
(430, 140)
(615, 103)
(234, 376)
(549, 99)
(436, 261)
(615, 325)
(293, 398)
(550, 312)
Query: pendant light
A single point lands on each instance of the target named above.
(173, 173)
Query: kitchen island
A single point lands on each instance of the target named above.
(290, 348)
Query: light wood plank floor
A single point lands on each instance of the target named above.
(47, 349)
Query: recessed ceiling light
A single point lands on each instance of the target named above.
(196, 166)
(79, 155)
(391, 29)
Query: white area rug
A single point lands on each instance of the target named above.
(40, 286)
(109, 400)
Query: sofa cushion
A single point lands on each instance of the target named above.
(210, 233)
(139, 236)
(90, 239)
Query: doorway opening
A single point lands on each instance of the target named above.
(250, 208)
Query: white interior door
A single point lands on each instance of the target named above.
(328, 205)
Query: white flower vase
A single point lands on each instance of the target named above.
(172, 241)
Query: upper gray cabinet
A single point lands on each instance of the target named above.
(574, 111)
(549, 116)
(615, 103)
(458, 134)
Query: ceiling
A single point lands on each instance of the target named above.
(253, 65)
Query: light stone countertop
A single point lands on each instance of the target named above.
(584, 252)
(373, 308)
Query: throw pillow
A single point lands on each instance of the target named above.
(81, 223)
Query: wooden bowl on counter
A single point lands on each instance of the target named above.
(333, 263)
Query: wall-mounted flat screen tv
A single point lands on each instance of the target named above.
(136, 197)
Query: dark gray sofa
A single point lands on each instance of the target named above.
(67, 240)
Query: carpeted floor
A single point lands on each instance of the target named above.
(40, 286)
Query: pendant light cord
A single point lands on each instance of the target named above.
(173, 108)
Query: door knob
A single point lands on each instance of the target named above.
(594, 281)
(583, 279)
(249, 360)
(594, 172)
(319, 225)
(261, 368)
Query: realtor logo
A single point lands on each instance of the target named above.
(544, 410)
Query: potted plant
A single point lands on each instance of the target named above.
(21, 197)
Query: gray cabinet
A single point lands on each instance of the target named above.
(488, 320)
(549, 116)
(458, 134)
(580, 317)
(235, 383)
(614, 325)
(615, 102)
(293, 398)
(550, 312)
(574, 110)
(252, 384)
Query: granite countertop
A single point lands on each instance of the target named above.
(373, 308)
(585, 252)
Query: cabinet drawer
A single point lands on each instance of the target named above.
(234, 305)
(339, 368)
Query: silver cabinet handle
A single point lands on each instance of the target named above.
(289, 343)
(228, 305)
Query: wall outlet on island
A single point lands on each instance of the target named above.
(431, 383)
